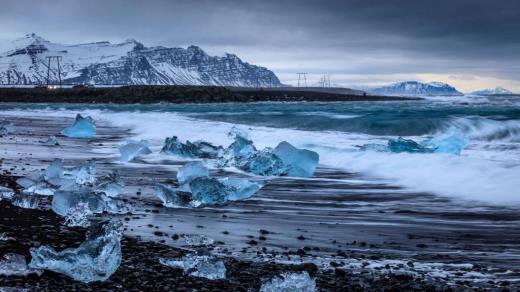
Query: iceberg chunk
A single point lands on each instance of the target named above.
(203, 266)
(290, 282)
(133, 149)
(197, 240)
(239, 189)
(407, 145)
(242, 146)
(199, 149)
(82, 128)
(96, 259)
(207, 191)
(171, 196)
(191, 171)
(7, 128)
(299, 162)
(78, 215)
(65, 178)
(6, 193)
(111, 185)
(26, 201)
(65, 201)
(14, 265)
(452, 143)
(264, 163)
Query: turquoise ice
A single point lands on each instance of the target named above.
(82, 128)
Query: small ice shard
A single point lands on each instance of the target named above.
(7, 128)
(6, 193)
(55, 170)
(242, 146)
(299, 162)
(65, 178)
(212, 191)
(14, 265)
(96, 259)
(133, 149)
(111, 185)
(78, 215)
(82, 128)
(203, 266)
(290, 282)
(171, 196)
(65, 201)
(26, 201)
(199, 149)
(51, 141)
(264, 163)
(197, 240)
(191, 171)
(5, 237)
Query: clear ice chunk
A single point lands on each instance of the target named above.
(51, 141)
(407, 145)
(239, 189)
(14, 265)
(264, 163)
(203, 266)
(191, 171)
(111, 185)
(96, 259)
(212, 191)
(171, 196)
(78, 215)
(26, 201)
(65, 201)
(7, 128)
(452, 143)
(290, 282)
(6, 193)
(197, 240)
(83, 127)
(199, 149)
(134, 149)
(299, 162)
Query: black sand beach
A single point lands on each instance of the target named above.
(349, 232)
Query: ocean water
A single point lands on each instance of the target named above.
(487, 171)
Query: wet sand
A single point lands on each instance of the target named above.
(349, 226)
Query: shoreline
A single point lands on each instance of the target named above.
(147, 94)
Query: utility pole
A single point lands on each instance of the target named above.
(302, 79)
(49, 59)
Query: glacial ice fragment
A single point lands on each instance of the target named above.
(264, 163)
(208, 191)
(6, 193)
(26, 201)
(65, 201)
(171, 196)
(78, 215)
(190, 171)
(7, 128)
(452, 143)
(205, 266)
(197, 240)
(239, 189)
(299, 162)
(111, 185)
(406, 145)
(96, 259)
(133, 149)
(51, 141)
(14, 265)
(198, 149)
(82, 128)
(290, 282)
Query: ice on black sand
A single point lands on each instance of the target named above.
(134, 149)
(290, 282)
(83, 127)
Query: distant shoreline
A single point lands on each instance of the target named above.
(146, 94)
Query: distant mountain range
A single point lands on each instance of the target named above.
(127, 63)
(415, 88)
(496, 91)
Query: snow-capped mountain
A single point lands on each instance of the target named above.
(127, 63)
(498, 90)
(416, 88)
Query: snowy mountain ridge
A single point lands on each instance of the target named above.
(417, 88)
(126, 63)
(497, 90)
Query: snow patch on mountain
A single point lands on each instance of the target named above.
(127, 63)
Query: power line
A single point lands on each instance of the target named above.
(302, 79)
(58, 59)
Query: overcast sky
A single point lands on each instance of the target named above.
(470, 44)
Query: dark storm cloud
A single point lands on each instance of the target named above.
(351, 37)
